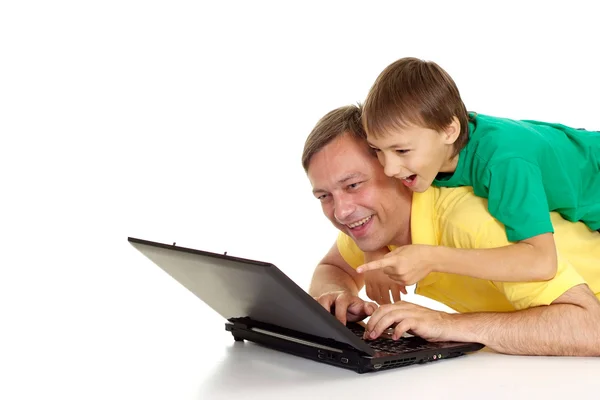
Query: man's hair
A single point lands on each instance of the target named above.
(343, 120)
(418, 92)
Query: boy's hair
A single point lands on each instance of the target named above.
(332, 125)
(418, 92)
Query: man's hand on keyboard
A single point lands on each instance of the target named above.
(429, 324)
(346, 306)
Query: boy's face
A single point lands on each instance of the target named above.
(415, 155)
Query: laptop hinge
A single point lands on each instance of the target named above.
(296, 340)
(246, 323)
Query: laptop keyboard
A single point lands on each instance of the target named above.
(388, 345)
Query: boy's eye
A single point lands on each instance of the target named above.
(402, 151)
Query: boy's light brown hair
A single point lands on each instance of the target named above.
(411, 91)
(343, 120)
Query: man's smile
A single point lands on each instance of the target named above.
(361, 222)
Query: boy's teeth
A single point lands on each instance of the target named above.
(359, 223)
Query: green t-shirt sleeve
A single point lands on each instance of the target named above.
(517, 199)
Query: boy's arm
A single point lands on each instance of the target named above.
(472, 243)
(517, 198)
(532, 259)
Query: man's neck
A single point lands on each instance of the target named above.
(404, 236)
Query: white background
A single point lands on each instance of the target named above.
(184, 121)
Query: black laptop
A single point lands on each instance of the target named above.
(261, 304)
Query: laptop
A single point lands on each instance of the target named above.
(262, 305)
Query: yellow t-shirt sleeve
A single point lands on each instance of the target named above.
(350, 251)
(532, 294)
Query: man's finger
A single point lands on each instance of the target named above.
(373, 292)
(386, 320)
(403, 327)
(375, 317)
(326, 301)
(369, 307)
(396, 293)
(384, 295)
(361, 308)
(341, 308)
(373, 265)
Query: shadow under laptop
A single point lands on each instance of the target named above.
(250, 367)
(247, 364)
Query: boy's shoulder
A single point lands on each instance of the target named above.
(487, 126)
(495, 137)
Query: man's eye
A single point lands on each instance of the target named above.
(402, 151)
(322, 197)
(376, 150)
(354, 185)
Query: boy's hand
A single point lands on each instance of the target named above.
(377, 284)
(406, 265)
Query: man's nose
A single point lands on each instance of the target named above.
(344, 207)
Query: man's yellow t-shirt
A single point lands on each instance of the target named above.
(455, 217)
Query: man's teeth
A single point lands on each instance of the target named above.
(359, 223)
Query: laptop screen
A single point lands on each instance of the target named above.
(238, 288)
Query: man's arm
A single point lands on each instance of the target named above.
(334, 274)
(570, 326)
(335, 285)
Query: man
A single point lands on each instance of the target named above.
(560, 316)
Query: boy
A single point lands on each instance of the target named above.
(419, 127)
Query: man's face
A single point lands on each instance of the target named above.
(357, 196)
(415, 155)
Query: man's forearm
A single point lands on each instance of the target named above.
(557, 329)
(329, 278)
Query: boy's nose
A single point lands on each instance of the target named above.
(392, 169)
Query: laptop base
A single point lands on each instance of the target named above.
(327, 353)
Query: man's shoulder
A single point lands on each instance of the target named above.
(460, 212)
(349, 250)
(459, 202)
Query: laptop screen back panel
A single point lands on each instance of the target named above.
(240, 288)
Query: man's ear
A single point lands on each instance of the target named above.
(452, 131)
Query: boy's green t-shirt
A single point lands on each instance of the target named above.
(526, 169)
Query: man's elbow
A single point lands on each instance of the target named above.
(592, 348)
(587, 327)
